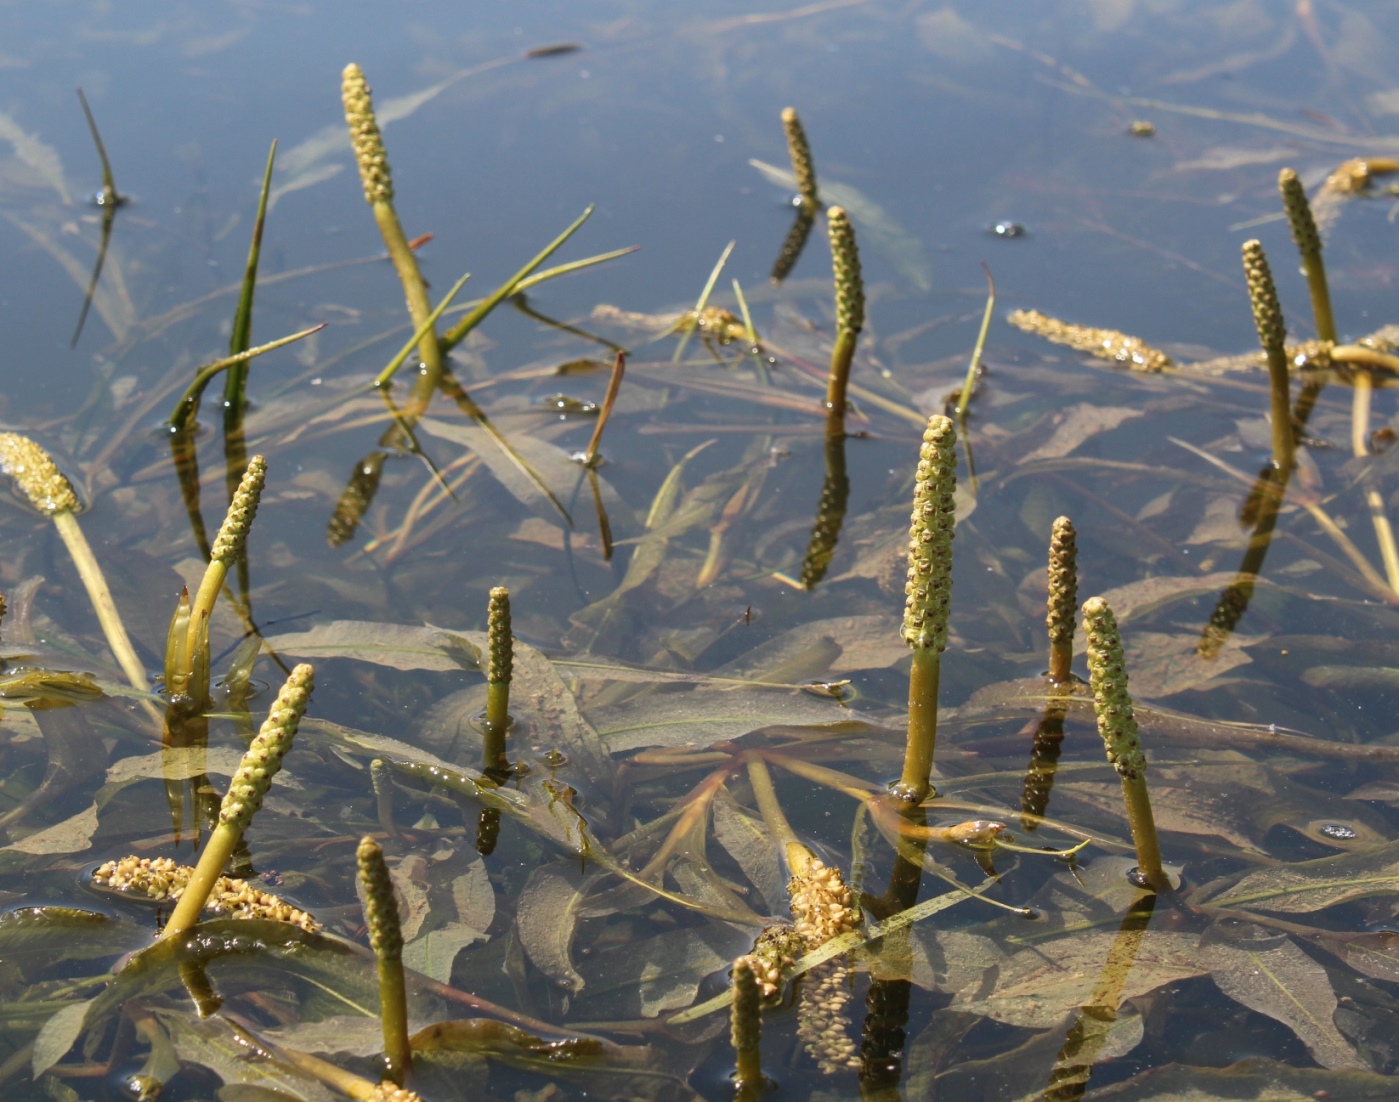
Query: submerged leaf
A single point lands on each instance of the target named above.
(398, 646)
(546, 919)
(1274, 977)
(1309, 885)
(705, 716)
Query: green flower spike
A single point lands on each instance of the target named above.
(500, 656)
(244, 797)
(1117, 724)
(1063, 598)
(1267, 316)
(800, 152)
(850, 313)
(746, 1028)
(386, 939)
(929, 596)
(374, 174)
(1304, 233)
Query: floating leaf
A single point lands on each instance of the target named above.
(1276, 978)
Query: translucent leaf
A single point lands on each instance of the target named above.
(546, 919)
(1309, 885)
(1039, 985)
(38, 155)
(398, 646)
(73, 835)
(652, 975)
(704, 717)
(340, 1034)
(1161, 664)
(474, 896)
(1254, 1077)
(1078, 424)
(434, 953)
(178, 763)
(747, 839)
(211, 1043)
(1278, 979)
(57, 1035)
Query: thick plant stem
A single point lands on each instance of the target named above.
(923, 678)
(746, 1029)
(102, 603)
(1267, 317)
(50, 492)
(1304, 233)
(1063, 598)
(928, 594)
(850, 314)
(499, 663)
(386, 939)
(1374, 500)
(244, 797)
(1117, 725)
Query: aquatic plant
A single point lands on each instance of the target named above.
(928, 598)
(386, 939)
(244, 797)
(850, 314)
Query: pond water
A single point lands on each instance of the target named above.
(708, 650)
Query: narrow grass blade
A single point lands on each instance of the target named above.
(458, 332)
(382, 379)
(235, 382)
(703, 301)
(188, 405)
(965, 400)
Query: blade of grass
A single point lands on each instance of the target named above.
(382, 379)
(964, 402)
(458, 332)
(240, 340)
(703, 300)
(188, 405)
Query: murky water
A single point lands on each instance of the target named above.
(719, 602)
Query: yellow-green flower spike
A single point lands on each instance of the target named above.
(1063, 597)
(36, 474)
(1304, 233)
(386, 939)
(800, 152)
(233, 533)
(1263, 296)
(1267, 316)
(1117, 725)
(745, 1025)
(500, 640)
(368, 144)
(845, 258)
(1107, 669)
(264, 757)
(380, 909)
(928, 591)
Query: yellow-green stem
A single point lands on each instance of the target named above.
(923, 676)
(797, 855)
(386, 939)
(223, 840)
(106, 608)
(842, 355)
(1143, 825)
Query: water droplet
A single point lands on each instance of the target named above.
(1008, 229)
(1138, 878)
(555, 758)
(1340, 831)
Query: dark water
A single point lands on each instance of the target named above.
(1270, 973)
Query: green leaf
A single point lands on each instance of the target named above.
(546, 919)
(58, 1034)
(1276, 978)
(1309, 885)
(434, 952)
(398, 646)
